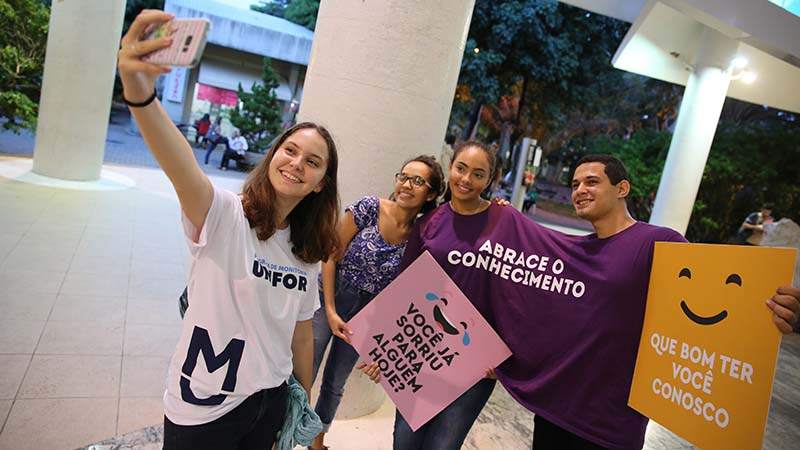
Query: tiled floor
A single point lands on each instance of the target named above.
(88, 319)
(88, 312)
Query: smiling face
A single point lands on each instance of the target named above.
(443, 322)
(469, 174)
(705, 319)
(593, 195)
(407, 194)
(712, 319)
(298, 166)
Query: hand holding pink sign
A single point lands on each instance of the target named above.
(429, 342)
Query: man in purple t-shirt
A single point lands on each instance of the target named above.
(575, 348)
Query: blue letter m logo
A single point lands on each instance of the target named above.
(201, 343)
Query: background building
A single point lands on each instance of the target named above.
(237, 43)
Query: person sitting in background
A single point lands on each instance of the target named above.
(237, 151)
(529, 204)
(201, 128)
(752, 230)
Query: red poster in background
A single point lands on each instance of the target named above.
(216, 95)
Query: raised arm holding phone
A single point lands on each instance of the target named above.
(253, 277)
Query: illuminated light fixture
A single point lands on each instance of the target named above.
(748, 77)
(476, 50)
(745, 76)
(738, 71)
(739, 63)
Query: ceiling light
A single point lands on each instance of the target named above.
(748, 77)
(739, 62)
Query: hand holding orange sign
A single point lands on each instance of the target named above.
(708, 349)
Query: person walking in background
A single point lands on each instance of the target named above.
(752, 229)
(372, 236)
(214, 137)
(253, 274)
(201, 128)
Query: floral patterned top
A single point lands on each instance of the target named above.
(370, 264)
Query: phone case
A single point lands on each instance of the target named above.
(188, 42)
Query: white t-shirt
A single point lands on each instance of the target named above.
(239, 144)
(245, 297)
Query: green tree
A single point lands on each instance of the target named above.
(301, 12)
(541, 51)
(258, 114)
(23, 40)
(749, 157)
(644, 154)
(752, 156)
(275, 8)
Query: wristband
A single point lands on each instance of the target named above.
(140, 104)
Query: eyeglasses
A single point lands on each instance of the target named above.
(417, 180)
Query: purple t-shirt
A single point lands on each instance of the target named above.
(570, 308)
(369, 263)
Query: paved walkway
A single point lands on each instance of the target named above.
(126, 147)
(123, 146)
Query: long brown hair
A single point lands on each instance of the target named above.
(313, 221)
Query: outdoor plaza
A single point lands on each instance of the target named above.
(89, 318)
(93, 258)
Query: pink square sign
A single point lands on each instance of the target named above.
(430, 343)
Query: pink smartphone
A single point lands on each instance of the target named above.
(188, 42)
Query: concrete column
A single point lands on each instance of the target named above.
(694, 131)
(78, 81)
(382, 76)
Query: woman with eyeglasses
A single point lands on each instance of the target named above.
(373, 235)
(471, 170)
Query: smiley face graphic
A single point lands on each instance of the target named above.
(707, 302)
(443, 322)
(733, 278)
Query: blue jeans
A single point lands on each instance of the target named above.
(213, 144)
(448, 429)
(342, 357)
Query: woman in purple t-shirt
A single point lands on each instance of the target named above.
(471, 172)
(373, 235)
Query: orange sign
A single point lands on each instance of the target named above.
(709, 345)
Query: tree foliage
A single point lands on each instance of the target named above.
(301, 12)
(746, 158)
(747, 166)
(23, 40)
(644, 153)
(258, 114)
(275, 8)
(556, 60)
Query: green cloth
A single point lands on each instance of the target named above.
(301, 424)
